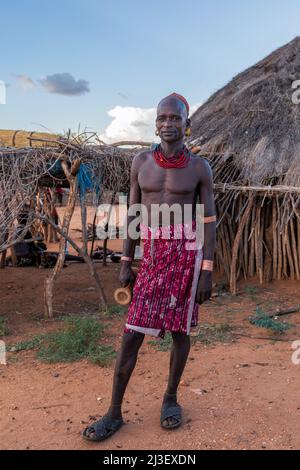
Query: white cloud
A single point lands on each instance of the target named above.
(130, 123)
(64, 84)
(25, 82)
(194, 108)
(2, 92)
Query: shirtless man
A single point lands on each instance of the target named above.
(172, 281)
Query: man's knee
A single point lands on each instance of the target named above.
(128, 354)
(133, 341)
(180, 338)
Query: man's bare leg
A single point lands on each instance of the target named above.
(125, 365)
(179, 355)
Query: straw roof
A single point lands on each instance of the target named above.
(250, 129)
(21, 139)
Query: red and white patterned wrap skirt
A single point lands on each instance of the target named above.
(164, 294)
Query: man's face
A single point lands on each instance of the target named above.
(171, 121)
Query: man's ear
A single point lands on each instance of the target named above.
(188, 123)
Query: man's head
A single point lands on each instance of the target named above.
(172, 119)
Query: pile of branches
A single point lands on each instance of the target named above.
(24, 171)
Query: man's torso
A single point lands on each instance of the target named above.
(169, 186)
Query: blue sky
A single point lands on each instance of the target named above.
(129, 53)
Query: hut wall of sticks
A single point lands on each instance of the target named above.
(250, 133)
(85, 167)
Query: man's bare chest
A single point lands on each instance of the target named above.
(153, 179)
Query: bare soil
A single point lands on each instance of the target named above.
(243, 394)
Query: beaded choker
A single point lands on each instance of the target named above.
(181, 160)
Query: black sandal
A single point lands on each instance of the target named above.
(171, 411)
(102, 429)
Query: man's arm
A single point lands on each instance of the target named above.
(126, 274)
(207, 199)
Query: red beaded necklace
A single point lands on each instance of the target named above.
(181, 160)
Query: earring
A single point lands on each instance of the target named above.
(188, 132)
(156, 132)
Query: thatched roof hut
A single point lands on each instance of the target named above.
(250, 133)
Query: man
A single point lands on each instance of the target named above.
(173, 280)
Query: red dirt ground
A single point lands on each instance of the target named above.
(240, 395)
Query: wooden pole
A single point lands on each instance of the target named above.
(246, 246)
(87, 259)
(106, 228)
(298, 238)
(274, 233)
(49, 282)
(279, 243)
(83, 225)
(293, 227)
(3, 259)
(260, 244)
(289, 252)
(252, 246)
(236, 244)
(93, 231)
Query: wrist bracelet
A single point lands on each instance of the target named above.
(210, 220)
(126, 258)
(207, 266)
